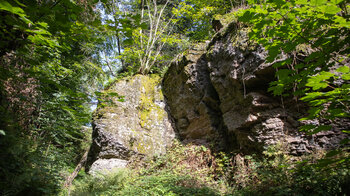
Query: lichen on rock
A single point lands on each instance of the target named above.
(152, 104)
(137, 126)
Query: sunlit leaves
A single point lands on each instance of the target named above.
(193, 17)
(343, 69)
(312, 96)
(108, 98)
(2, 132)
(4, 5)
(319, 81)
(313, 129)
(52, 48)
(307, 40)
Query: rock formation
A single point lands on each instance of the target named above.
(216, 95)
(219, 93)
(137, 126)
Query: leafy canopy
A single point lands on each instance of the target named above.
(49, 69)
(308, 43)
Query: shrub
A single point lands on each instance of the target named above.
(194, 170)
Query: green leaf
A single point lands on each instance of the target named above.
(345, 141)
(273, 52)
(342, 21)
(278, 89)
(333, 153)
(98, 93)
(336, 112)
(128, 41)
(2, 132)
(306, 128)
(313, 56)
(343, 69)
(144, 26)
(313, 129)
(4, 5)
(325, 75)
(325, 162)
(247, 16)
(346, 76)
(284, 73)
(319, 81)
(321, 128)
(330, 9)
(113, 94)
(317, 84)
(302, 2)
(317, 102)
(315, 111)
(336, 1)
(312, 96)
(318, 2)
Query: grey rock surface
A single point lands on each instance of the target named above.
(139, 126)
(193, 100)
(217, 94)
(103, 166)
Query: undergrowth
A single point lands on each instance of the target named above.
(195, 170)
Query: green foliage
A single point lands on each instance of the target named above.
(184, 170)
(337, 96)
(147, 34)
(51, 66)
(141, 37)
(193, 170)
(308, 43)
(106, 97)
(126, 182)
(280, 174)
(48, 71)
(194, 17)
(101, 184)
(154, 42)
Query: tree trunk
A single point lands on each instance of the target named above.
(70, 178)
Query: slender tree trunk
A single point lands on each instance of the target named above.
(115, 8)
(155, 31)
(119, 49)
(109, 66)
(70, 178)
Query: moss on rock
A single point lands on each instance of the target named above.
(151, 93)
(138, 125)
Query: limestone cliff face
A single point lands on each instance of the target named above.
(218, 94)
(137, 126)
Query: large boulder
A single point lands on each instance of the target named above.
(217, 94)
(193, 101)
(137, 126)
